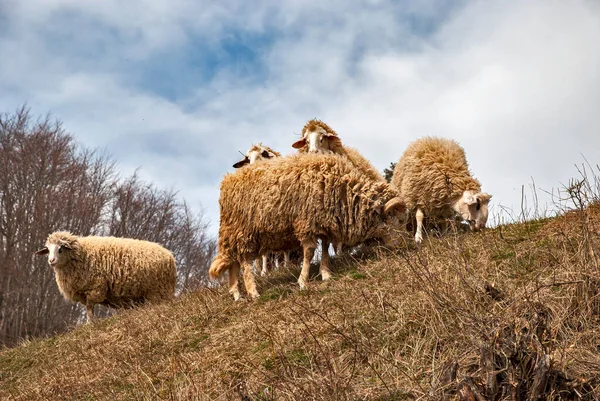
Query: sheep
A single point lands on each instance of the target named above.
(257, 153)
(318, 137)
(282, 203)
(433, 177)
(115, 272)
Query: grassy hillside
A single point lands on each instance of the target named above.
(514, 311)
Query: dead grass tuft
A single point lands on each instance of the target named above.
(511, 313)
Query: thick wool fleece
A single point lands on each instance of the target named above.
(335, 146)
(432, 174)
(127, 271)
(278, 204)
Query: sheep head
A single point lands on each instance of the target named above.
(318, 137)
(256, 153)
(57, 247)
(473, 207)
(394, 217)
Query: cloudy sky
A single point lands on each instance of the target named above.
(178, 87)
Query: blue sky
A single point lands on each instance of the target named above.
(178, 87)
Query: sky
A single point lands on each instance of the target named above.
(177, 88)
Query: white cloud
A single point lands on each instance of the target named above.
(515, 82)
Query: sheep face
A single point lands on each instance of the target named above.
(254, 154)
(57, 254)
(394, 218)
(318, 140)
(473, 207)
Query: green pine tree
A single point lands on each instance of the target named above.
(389, 172)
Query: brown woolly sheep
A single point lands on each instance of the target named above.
(115, 272)
(318, 137)
(433, 177)
(257, 153)
(279, 203)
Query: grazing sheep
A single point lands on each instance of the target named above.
(318, 137)
(282, 203)
(115, 272)
(257, 153)
(433, 177)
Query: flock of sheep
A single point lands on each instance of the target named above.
(271, 205)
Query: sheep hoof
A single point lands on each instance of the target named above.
(263, 273)
(302, 283)
(325, 275)
(418, 239)
(236, 296)
(254, 295)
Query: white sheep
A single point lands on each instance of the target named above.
(433, 177)
(115, 272)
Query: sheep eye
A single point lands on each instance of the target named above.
(60, 250)
(478, 205)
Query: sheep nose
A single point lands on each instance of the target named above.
(51, 260)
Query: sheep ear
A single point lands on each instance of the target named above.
(299, 144)
(43, 251)
(483, 197)
(395, 204)
(266, 154)
(241, 163)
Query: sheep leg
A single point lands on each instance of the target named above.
(234, 275)
(324, 267)
(419, 235)
(89, 311)
(276, 261)
(265, 269)
(92, 298)
(249, 280)
(286, 259)
(309, 252)
(338, 248)
(443, 226)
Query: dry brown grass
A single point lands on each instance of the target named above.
(466, 316)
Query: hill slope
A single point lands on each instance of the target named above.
(513, 312)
